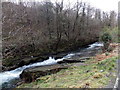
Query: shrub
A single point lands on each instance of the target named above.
(106, 39)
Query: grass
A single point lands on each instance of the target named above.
(91, 75)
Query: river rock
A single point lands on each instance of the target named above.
(31, 74)
(24, 61)
(59, 55)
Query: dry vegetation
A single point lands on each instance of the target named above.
(39, 28)
(107, 55)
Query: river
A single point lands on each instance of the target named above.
(8, 79)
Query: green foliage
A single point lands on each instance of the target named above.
(106, 53)
(112, 32)
(106, 37)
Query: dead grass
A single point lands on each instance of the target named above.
(103, 56)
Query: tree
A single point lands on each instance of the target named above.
(113, 20)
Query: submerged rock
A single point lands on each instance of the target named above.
(31, 74)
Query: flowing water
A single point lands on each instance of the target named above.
(9, 78)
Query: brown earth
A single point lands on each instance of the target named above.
(114, 52)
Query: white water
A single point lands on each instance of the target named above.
(9, 75)
(97, 44)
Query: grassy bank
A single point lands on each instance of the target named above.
(93, 74)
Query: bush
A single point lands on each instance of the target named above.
(106, 39)
(113, 32)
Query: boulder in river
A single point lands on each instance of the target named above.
(31, 74)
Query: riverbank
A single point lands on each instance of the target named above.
(94, 73)
(38, 56)
(7, 77)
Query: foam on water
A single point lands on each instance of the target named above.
(9, 75)
(97, 44)
(66, 57)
